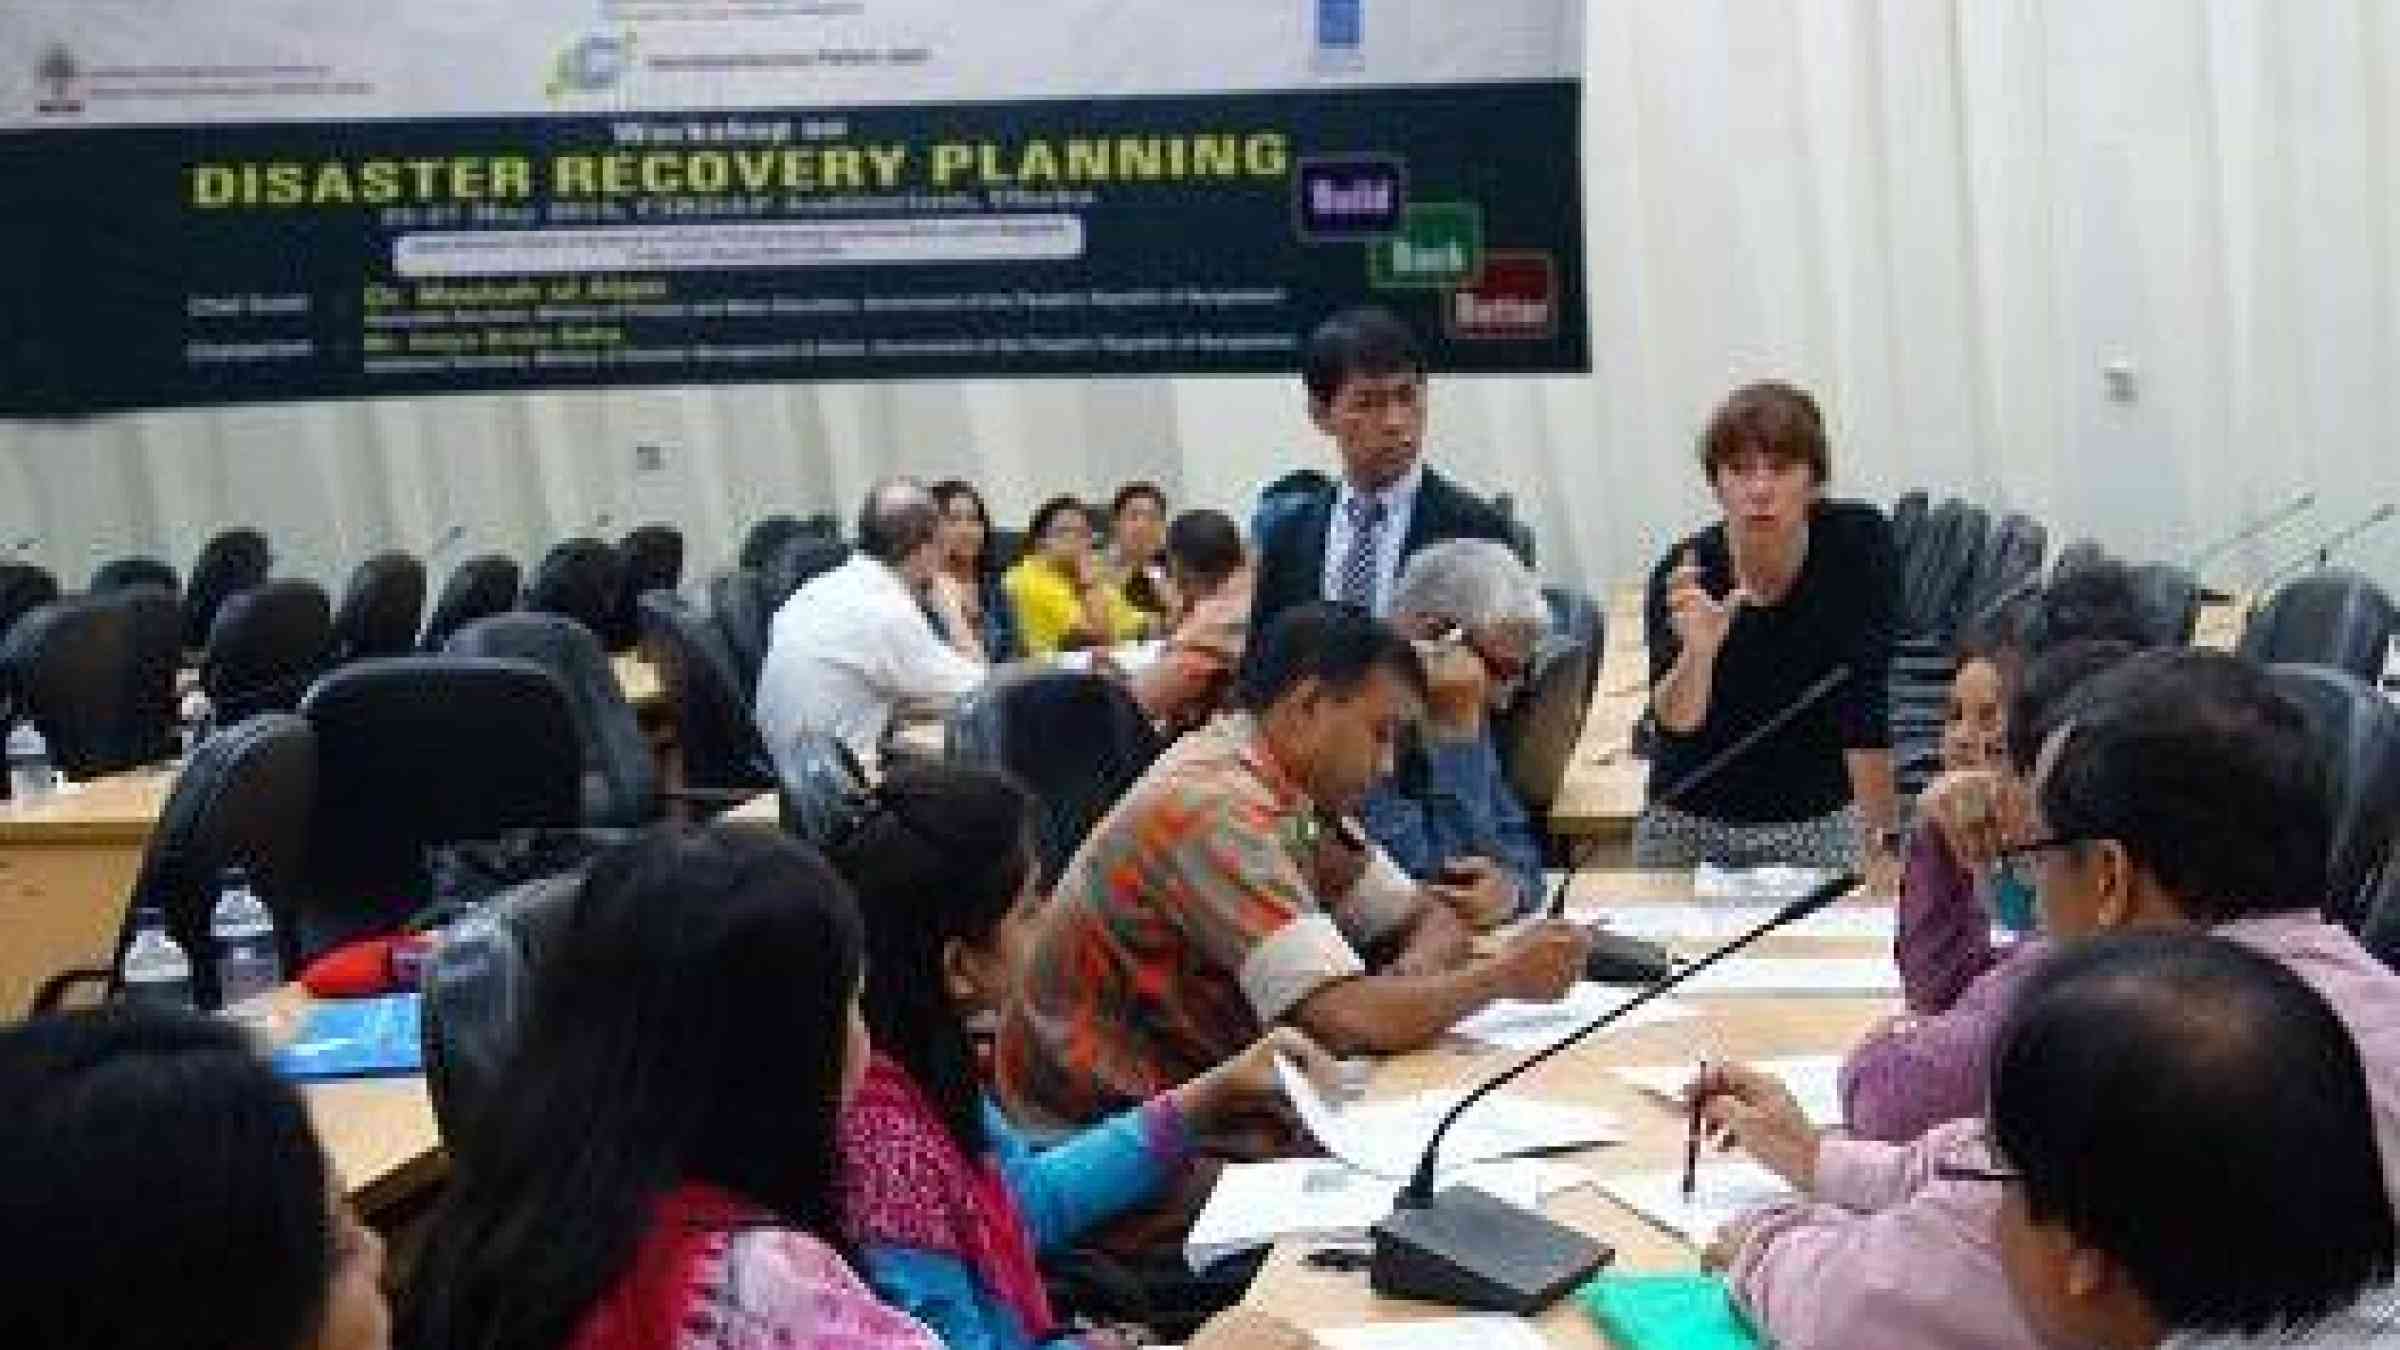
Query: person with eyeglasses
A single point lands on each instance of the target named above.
(2176, 792)
(1448, 815)
(1064, 597)
(2185, 1155)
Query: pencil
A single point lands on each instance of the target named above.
(1691, 1138)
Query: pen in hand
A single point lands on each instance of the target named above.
(1691, 1138)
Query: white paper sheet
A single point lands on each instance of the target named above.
(1798, 975)
(1814, 1079)
(1726, 1191)
(1516, 1025)
(1254, 1204)
(1704, 925)
(1772, 882)
(1488, 1331)
(1387, 1137)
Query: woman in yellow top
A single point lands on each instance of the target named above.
(1061, 591)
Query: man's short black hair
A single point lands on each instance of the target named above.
(1369, 340)
(2100, 598)
(2043, 689)
(2197, 1112)
(2205, 773)
(1205, 545)
(898, 518)
(1337, 644)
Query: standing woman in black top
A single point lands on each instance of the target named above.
(1743, 617)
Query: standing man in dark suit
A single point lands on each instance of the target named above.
(1321, 539)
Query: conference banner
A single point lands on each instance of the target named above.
(293, 199)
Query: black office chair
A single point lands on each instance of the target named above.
(2356, 731)
(121, 574)
(2010, 572)
(24, 588)
(2333, 617)
(381, 608)
(1536, 736)
(415, 752)
(1075, 739)
(233, 562)
(269, 643)
(652, 558)
(478, 587)
(242, 800)
(1575, 614)
(823, 789)
(1908, 518)
(620, 781)
(148, 714)
(477, 985)
(738, 600)
(66, 666)
(2170, 598)
(714, 728)
(578, 579)
(2379, 929)
(767, 538)
(804, 559)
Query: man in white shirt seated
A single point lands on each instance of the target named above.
(853, 645)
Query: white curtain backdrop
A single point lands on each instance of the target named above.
(1947, 218)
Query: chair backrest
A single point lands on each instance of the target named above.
(67, 665)
(1939, 568)
(415, 751)
(578, 578)
(269, 643)
(738, 599)
(478, 587)
(823, 788)
(242, 800)
(24, 588)
(1075, 739)
(119, 574)
(620, 780)
(766, 538)
(1908, 518)
(477, 986)
(1576, 614)
(381, 608)
(652, 558)
(714, 728)
(2379, 927)
(146, 718)
(2170, 603)
(801, 561)
(2357, 735)
(2011, 568)
(234, 561)
(1537, 735)
(2333, 617)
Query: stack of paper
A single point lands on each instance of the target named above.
(1707, 925)
(1726, 1191)
(1317, 1199)
(1798, 975)
(1486, 1331)
(1387, 1137)
(1516, 1025)
(1771, 882)
(1814, 1079)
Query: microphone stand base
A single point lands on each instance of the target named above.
(1465, 1249)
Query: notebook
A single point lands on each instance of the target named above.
(357, 1038)
(1656, 1312)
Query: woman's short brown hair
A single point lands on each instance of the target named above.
(1775, 419)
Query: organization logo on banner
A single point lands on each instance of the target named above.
(1514, 296)
(590, 64)
(1349, 197)
(59, 72)
(1438, 246)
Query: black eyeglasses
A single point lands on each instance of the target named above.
(2027, 852)
(1993, 1176)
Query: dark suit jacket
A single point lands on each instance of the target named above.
(1291, 527)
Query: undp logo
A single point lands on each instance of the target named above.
(590, 64)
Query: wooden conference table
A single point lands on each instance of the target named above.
(1738, 1027)
(68, 860)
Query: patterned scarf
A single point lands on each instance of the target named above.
(909, 1184)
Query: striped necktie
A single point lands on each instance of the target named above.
(1358, 565)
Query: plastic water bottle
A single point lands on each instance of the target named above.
(30, 774)
(243, 933)
(156, 970)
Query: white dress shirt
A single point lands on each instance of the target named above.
(844, 652)
(1399, 504)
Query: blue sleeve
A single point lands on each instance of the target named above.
(1515, 845)
(1470, 808)
(1089, 1179)
(1404, 827)
(941, 1292)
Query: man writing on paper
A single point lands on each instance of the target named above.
(1220, 898)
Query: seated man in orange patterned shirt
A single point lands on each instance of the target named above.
(1219, 899)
